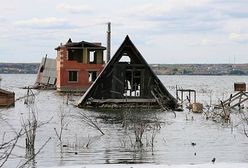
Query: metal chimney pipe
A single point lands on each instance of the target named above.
(108, 41)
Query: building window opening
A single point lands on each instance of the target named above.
(92, 76)
(125, 58)
(92, 57)
(132, 85)
(75, 55)
(71, 55)
(73, 76)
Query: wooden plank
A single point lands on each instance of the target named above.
(233, 96)
(127, 100)
(239, 103)
(158, 101)
(118, 80)
(115, 92)
(237, 96)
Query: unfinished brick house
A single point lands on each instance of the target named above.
(78, 64)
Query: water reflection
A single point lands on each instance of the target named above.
(128, 133)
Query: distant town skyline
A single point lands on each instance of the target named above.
(164, 31)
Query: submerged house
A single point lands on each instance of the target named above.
(127, 81)
(77, 65)
(46, 76)
(6, 98)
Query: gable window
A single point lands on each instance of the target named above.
(92, 76)
(73, 76)
(125, 58)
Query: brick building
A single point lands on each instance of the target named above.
(78, 64)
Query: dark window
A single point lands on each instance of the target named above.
(92, 76)
(73, 76)
(75, 55)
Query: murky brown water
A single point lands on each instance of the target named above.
(172, 143)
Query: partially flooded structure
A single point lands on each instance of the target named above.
(127, 81)
(78, 64)
(46, 76)
(6, 98)
(236, 100)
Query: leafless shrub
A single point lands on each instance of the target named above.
(30, 126)
(90, 141)
(7, 145)
(89, 120)
(63, 123)
(31, 157)
(141, 124)
(243, 121)
(218, 114)
(6, 148)
(28, 130)
(155, 128)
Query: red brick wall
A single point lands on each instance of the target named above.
(63, 68)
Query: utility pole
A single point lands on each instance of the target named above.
(108, 41)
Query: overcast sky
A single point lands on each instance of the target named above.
(164, 31)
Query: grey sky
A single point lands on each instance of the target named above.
(164, 31)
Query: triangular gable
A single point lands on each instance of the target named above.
(127, 76)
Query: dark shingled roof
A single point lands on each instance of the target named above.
(82, 44)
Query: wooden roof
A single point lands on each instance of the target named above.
(5, 92)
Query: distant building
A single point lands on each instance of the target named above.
(77, 65)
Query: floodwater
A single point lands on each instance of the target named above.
(83, 144)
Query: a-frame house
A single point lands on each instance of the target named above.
(127, 81)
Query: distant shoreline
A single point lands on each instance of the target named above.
(159, 69)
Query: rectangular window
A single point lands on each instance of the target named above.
(92, 57)
(75, 55)
(92, 76)
(73, 76)
(132, 85)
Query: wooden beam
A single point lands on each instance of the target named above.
(127, 100)
(239, 103)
